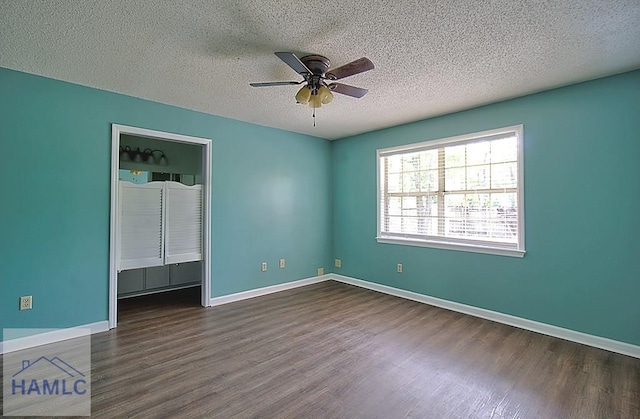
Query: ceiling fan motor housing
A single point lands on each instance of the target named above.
(317, 64)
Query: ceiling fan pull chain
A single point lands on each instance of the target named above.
(314, 117)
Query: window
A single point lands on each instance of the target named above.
(461, 193)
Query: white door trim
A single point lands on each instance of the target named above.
(116, 131)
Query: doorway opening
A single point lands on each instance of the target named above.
(142, 158)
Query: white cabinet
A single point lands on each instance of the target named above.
(186, 273)
(156, 277)
(142, 281)
(160, 224)
(131, 281)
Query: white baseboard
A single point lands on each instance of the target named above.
(226, 299)
(546, 329)
(52, 337)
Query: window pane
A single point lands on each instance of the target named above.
(427, 206)
(480, 216)
(411, 162)
(454, 227)
(429, 159)
(454, 205)
(454, 156)
(428, 226)
(504, 175)
(394, 163)
(505, 205)
(454, 179)
(395, 225)
(410, 182)
(395, 206)
(479, 206)
(505, 224)
(478, 177)
(479, 153)
(409, 225)
(394, 182)
(504, 150)
(429, 181)
(409, 206)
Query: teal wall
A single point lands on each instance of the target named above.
(582, 204)
(271, 190)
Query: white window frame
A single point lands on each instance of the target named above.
(478, 246)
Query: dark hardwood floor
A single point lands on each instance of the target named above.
(332, 350)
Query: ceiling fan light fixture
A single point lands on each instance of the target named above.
(303, 95)
(315, 101)
(138, 157)
(325, 94)
(125, 153)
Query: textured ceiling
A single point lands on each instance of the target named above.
(432, 57)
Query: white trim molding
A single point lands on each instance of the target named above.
(453, 246)
(546, 329)
(52, 337)
(239, 296)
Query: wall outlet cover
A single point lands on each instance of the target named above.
(26, 302)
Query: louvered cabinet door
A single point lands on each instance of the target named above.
(183, 226)
(142, 210)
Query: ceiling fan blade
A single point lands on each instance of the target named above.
(275, 83)
(345, 89)
(294, 62)
(354, 67)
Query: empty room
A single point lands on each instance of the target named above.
(277, 209)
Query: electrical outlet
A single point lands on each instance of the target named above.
(338, 263)
(264, 266)
(26, 302)
(320, 271)
(282, 263)
(399, 268)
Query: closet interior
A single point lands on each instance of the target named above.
(160, 216)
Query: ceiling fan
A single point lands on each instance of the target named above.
(319, 79)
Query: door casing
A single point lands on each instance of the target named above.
(116, 131)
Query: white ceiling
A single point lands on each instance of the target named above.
(431, 57)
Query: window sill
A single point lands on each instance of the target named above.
(498, 251)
